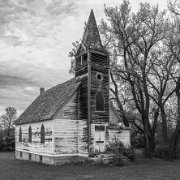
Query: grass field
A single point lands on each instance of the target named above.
(11, 169)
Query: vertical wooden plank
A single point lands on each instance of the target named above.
(53, 144)
(89, 101)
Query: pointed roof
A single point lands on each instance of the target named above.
(91, 38)
(48, 103)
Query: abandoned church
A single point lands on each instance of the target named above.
(71, 120)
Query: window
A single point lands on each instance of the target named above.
(30, 134)
(40, 159)
(20, 154)
(99, 128)
(99, 102)
(42, 134)
(99, 76)
(29, 156)
(20, 135)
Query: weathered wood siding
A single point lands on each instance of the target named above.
(70, 110)
(83, 99)
(81, 65)
(99, 64)
(70, 136)
(35, 146)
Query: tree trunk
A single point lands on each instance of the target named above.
(147, 138)
(164, 126)
(173, 144)
(177, 130)
(148, 146)
(154, 127)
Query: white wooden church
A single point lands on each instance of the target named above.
(71, 120)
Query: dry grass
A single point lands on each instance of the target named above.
(11, 169)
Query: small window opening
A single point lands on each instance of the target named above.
(20, 134)
(99, 76)
(42, 134)
(40, 159)
(30, 134)
(20, 154)
(99, 128)
(29, 156)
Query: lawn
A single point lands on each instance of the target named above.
(11, 169)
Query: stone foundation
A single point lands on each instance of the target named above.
(45, 159)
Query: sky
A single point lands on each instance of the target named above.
(35, 39)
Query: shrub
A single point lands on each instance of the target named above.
(138, 141)
(162, 152)
(7, 143)
(121, 152)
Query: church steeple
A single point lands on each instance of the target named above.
(91, 39)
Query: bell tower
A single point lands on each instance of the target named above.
(92, 69)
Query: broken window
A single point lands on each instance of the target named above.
(30, 134)
(42, 134)
(20, 134)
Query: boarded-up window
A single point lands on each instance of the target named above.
(42, 134)
(99, 128)
(30, 134)
(20, 134)
(99, 102)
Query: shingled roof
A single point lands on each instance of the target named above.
(47, 103)
(91, 38)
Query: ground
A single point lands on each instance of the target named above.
(11, 169)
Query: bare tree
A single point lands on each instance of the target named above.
(135, 37)
(161, 82)
(174, 7)
(8, 118)
(173, 44)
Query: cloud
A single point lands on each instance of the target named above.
(7, 81)
(35, 39)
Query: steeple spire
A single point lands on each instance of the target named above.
(91, 38)
(91, 35)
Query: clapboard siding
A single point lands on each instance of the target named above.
(81, 65)
(70, 110)
(35, 146)
(83, 99)
(99, 64)
(70, 136)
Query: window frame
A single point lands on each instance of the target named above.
(30, 134)
(42, 134)
(20, 134)
(100, 92)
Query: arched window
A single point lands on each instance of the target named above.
(42, 134)
(30, 134)
(20, 134)
(99, 102)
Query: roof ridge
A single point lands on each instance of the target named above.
(46, 104)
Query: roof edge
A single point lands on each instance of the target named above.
(66, 101)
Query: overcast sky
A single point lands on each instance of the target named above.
(35, 38)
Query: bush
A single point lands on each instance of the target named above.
(138, 141)
(121, 153)
(162, 152)
(7, 143)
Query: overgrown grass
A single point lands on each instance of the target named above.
(11, 169)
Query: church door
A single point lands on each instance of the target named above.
(99, 138)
